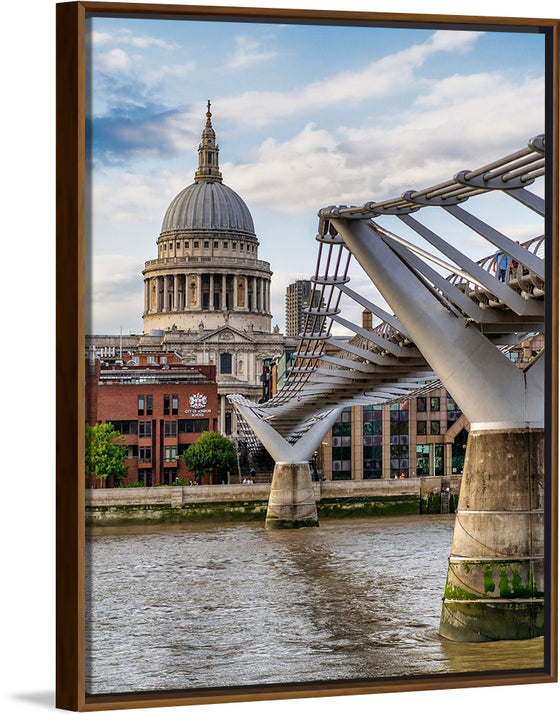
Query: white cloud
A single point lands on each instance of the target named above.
(113, 60)
(451, 130)
(247, 52)
(114, 293)
(126, 37)
(389, 75)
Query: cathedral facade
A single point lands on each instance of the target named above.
(207, 294)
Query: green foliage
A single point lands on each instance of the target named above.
(136, 484)
(211, 450)
(105, 454)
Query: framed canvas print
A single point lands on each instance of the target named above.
(307, 337)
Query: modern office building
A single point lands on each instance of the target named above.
(299, 297)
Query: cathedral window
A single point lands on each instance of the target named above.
(186, 244)
(206, 244)
(225, 363)
(225, 244)
(195, 244)
(241, 246)
(234, 245)
(215, 244)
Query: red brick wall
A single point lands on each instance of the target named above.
(111, 402)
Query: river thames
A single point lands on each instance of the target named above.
(190, 606)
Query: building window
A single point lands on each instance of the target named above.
(434, 404)
(145, 454)
(166, 405)
(206, 244)
(399, 460)
(434, 427)
(145, 477)
(241, 246)
(215, 244)
(175, 404)
(225, 244)
(423, 460)
(144, 429)
(170, 429)
(149, 405)
(125, 427)
(225, 363)
(372, 461)
(169, 476)
(458, 449)
(421, 428)
(233, 245)
(438, 459)
(342, 447)
(194, 426)
(171, 453)
(141, 405)
(421, 404)
(186, 244)
(195, 244)
(178, 244)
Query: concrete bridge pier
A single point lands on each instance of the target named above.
(291, 503)
(495, 580)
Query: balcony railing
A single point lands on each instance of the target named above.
(206, 260)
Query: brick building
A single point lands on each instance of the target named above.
(160, 405)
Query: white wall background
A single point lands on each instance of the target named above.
(27, 369)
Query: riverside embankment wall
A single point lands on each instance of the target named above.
(245, 502)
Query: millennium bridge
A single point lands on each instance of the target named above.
(451, 321)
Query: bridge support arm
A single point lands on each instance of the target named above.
(486, 385)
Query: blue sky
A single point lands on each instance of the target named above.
(306, 116)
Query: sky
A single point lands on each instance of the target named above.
(306, 116)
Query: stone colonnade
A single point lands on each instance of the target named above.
(176, 292)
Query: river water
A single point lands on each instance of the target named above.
(189, 606)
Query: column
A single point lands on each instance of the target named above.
(222, 414)
(187, 297)
(254, 304)
(235, 292)
(261, 295)
(175, 292)
(211, 298)
(146, 296)
(159, 298)
(200, 278)
(224, 292)
(357, 443)
(165, 291)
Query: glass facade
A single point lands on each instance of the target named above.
(402, 440)
(342, 447)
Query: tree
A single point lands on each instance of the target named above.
(211, 450)
(105, 454)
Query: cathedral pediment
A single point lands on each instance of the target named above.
(227, 334)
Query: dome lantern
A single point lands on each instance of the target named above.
(208, 150)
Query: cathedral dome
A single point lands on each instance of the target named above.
(208, 205)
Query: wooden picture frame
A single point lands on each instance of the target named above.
(70, 342)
